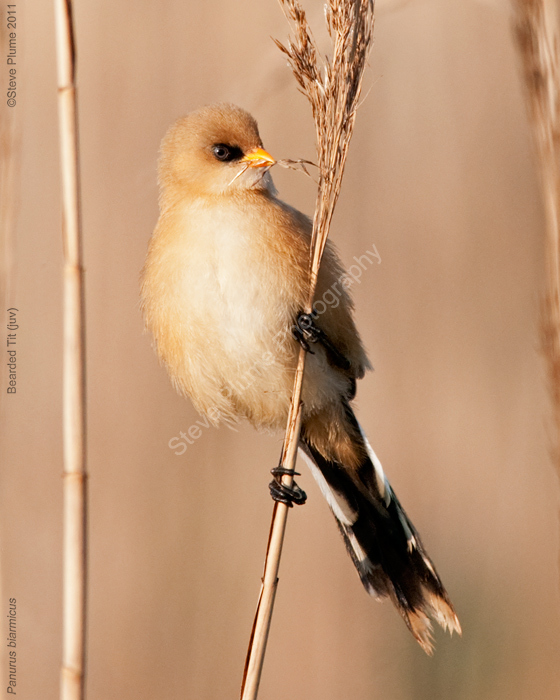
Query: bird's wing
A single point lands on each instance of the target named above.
(334, 315)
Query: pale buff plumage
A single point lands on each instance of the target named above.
(226, 275)
(225, 278)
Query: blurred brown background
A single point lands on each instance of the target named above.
(441, 178)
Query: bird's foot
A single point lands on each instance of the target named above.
(305, 331)
(286, 494)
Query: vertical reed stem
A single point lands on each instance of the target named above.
(74, 399)
(333, 87)
(538, 37)
(263, 616)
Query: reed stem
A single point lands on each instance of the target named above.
(333, 87)
(74, 383)
(538, 38)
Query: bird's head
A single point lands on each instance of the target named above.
(215, 150)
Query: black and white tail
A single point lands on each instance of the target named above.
(382, 542)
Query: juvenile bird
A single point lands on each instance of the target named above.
(223, 289)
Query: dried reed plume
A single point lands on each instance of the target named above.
(333, 88)
(537, 33)
(74, 403)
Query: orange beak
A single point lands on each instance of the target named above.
(258, 158)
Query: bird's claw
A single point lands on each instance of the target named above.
(305, 331)
(286, 494)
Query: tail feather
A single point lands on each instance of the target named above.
(382, 542)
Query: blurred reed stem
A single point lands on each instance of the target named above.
(333, 87)
(74, 398)
(537, 33)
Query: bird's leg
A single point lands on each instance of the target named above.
(305, 332)
(286, 494)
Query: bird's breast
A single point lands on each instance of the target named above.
(232, 276)
(220, 294)
(222, 286)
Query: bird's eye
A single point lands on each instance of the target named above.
(226, 153)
